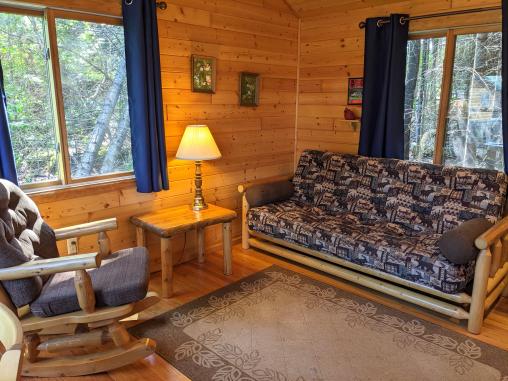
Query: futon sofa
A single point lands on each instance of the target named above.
(399, 227)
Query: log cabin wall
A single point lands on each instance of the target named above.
(332, 47)
(246, 35)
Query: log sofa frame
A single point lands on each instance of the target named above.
(89, 328)
(490, 278)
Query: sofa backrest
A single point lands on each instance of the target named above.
(417, 195)
(24, 237)
(307, 171)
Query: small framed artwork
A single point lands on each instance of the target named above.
(204, 74)
(249, 89)
(355, 91)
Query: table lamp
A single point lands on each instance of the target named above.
(198, 144)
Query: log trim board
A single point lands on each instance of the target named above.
(254, 36)
(332, 50)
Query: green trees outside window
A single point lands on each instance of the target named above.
(66, 90)
(453, 99)
(28, 92)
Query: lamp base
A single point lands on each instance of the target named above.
(199, 201)
(199, 204)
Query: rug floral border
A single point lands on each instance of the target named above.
(204, 359)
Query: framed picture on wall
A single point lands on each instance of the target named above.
(355, 91)
(203, 74)
(249, 89)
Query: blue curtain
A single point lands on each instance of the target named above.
(382, 132)
(7, 163)
(145, 95)
(505, 84)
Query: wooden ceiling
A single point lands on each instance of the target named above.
(309, 8)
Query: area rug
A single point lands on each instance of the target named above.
(277, 325)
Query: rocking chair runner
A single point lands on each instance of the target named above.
(62, 295)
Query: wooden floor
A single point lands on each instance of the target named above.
(193, 280)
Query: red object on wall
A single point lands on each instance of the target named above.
(349, 114)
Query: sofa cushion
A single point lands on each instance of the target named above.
(307, 174)
(122, 278)
(289, 220)
(419, 196)
(385, 246)
(410, 194)
(467, 194)
(339, 187)
(24, 237)
(458, 246)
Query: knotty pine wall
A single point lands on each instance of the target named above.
(332, 47)
(245, 35)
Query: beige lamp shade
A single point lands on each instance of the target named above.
(198, 144)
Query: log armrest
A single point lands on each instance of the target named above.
(488, 238)
(73, 233)
(266, 192)
(86, 229)
(51, 266)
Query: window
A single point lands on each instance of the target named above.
(453, 99)
(424, 76)
(66, 89)
(28, 91)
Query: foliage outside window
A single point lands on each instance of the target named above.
(453, 99)
(65, 83)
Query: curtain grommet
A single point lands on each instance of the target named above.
(402, 20)
(129, 2)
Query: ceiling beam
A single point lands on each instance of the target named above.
(290, 7)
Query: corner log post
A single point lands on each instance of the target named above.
(481, 278)
(245, 226)
(491, 275)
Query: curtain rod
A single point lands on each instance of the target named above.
(162, 5)
(403, 20)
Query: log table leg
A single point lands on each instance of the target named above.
(227, 244)
(201, 245)
(140, 237)
(167, 267)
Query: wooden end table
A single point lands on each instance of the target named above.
(168, 222)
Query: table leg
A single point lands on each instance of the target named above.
(167, 267)
(201, 245)
(140, 237)
(227, 244)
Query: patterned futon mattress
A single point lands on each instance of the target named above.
(386, 214)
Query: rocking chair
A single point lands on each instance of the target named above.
(56, 296)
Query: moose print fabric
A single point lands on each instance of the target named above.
(386, 214)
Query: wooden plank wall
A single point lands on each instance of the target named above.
(245, 35)
(332, 49)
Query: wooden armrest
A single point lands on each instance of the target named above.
(11, 338)
(86, 229)
(10, 364)
(243, 187)
(51, 266)
(488, 238)
(11, 334)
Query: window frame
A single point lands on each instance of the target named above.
(446, 84)
(49, 16)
